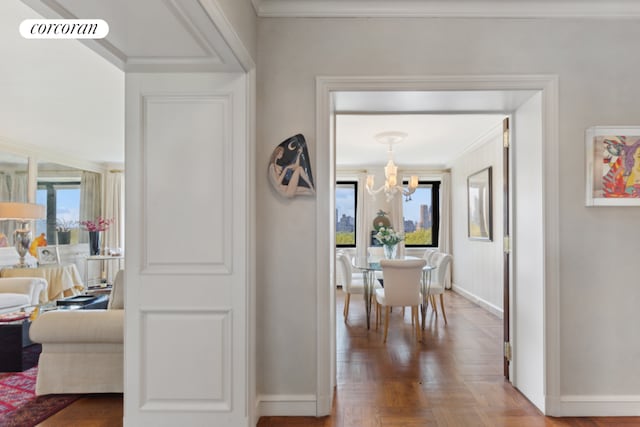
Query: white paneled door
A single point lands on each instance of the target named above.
(187, 279)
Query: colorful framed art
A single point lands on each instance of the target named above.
(612, 166)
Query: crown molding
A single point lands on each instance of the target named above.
(46, 154)
(193, 16)
(447, 9)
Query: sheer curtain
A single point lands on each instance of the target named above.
(114, 208)
(19, 188)
(397, 220)
(5, 196)
(90, 200)
(362, 217)
(444, 244)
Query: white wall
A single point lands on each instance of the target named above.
(477, 264)
(598, 83)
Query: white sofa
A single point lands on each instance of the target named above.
(82, 350)
(19, 292)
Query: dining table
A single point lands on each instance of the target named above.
(370, 265)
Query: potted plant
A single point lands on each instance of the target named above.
(94, 228)
(389, 239)
(63, 230)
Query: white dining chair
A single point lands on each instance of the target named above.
(428, 254)
(440, 261)
(351, 284)
(401, 289)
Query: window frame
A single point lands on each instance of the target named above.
(355, 213)
(435, 203)
(52, 187)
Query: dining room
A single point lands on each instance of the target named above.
(449, 179)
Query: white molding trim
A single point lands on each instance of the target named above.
(446, 9)
(480, 141)
(219, 43)
(228, 33)
(286, 405)
(50, 155)
(548, 85)
(599, 406)
(493, 309)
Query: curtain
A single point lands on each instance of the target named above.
(19, 188)
(362, 217)
(397, 220)
(6, 227)
(90, 201)
(444, 244)
(114, 209)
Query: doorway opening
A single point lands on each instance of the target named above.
(500, 97)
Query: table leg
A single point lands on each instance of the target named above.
(368, 277)
(426, 287)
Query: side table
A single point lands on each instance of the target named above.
(14, 338)
(90, 282)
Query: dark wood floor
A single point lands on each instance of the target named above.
(94, 411)
(454, 378)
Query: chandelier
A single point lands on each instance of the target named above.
(391, 187)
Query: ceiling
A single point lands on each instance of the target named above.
(147, 35)
(76, 103)
(449, 8)
(57, 95)
(60, 96)
(441, 125)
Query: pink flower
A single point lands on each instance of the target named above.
(100, 224)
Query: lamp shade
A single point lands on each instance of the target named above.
(21, 211)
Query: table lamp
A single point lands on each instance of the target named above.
(23, 213)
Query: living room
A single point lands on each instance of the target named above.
(62, 147)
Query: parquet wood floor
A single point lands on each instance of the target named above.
(452, 379)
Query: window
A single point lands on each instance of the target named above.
(421, 215)
(346, 204)
(62, 202)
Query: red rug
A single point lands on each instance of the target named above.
(19, 406)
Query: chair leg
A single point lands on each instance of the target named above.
(386, 322)
(444, 315)
(415, 314)
(345, 311)
(377, 314)
(432, 298)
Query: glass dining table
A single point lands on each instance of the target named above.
(369, 266)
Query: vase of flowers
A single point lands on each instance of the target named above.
(389, 239)
(94, 228)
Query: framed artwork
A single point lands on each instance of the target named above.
(479, 205)
(290, 168)
(48, 255)
(612, 166)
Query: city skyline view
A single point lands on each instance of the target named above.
(411, 209)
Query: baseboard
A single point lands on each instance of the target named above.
(287, 405)
(477, 300)
(599, 406)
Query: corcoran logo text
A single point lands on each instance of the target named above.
(64, 28)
